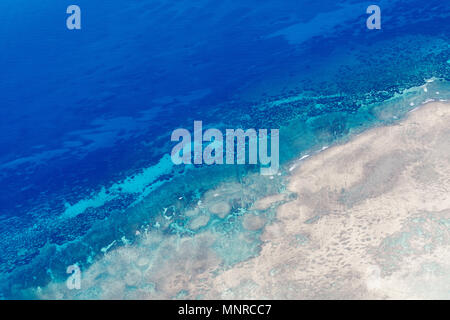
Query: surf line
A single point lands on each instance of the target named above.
(237, 139)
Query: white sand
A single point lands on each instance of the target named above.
(371, 220)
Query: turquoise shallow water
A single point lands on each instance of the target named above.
(87, 175)
(209, 225)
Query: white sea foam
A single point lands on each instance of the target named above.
(296, 164)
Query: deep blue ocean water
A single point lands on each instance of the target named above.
(86, 115)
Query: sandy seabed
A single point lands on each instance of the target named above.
(370, 220)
